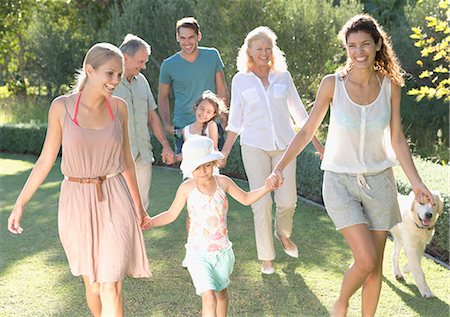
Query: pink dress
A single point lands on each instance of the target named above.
(102, 239)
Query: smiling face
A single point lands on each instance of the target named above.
(134, 64)
(205, 111)
(362, 49)
(107, 76)
(261, 51)
(188, 40)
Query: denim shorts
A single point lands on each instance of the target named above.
(348, 202)
(210, 270)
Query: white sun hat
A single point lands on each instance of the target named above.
(198, 150)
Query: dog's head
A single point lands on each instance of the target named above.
(425, 215)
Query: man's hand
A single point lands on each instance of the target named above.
(168, 156)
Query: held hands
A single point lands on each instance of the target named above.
(144, 220)
(14, 220)
(169, 128)
(319, 151)
(168, 156)
(223, 162)
(274, 180)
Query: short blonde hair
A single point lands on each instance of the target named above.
(244, 60)
(97, 55)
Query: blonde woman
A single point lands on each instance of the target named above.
(263, 100)
(100, 213)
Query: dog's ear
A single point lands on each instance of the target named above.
(412, 199)
(438, 202)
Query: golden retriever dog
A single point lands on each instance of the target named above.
(413, 234)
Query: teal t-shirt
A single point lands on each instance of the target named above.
(189, 80)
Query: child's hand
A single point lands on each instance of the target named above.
(168, 156)
(271, 183)
(275, 179)
(146, 223)
(223, 162)
(144, 220)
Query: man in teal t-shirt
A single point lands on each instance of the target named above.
(188, 73)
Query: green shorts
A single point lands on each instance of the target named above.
(349, 203)
(210, 270)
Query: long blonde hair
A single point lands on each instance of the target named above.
(245, 61)
(386, 62)
(97, 55)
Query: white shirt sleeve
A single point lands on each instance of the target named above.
(295, 104)
(235, 118)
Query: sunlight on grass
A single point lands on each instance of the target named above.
(33, 283)
(35, 279)
(12, 167)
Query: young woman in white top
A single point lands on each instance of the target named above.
(365, 139)
(263, 101)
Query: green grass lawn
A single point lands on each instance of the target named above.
(35, 279)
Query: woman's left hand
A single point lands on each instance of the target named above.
(144, 220)
(423, 195)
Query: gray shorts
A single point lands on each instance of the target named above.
(349, 203)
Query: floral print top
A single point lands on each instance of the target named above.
(208, 221)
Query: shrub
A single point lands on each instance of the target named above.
(22, 137)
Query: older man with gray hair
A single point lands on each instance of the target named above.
(135, 90)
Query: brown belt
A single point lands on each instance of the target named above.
(97, 181)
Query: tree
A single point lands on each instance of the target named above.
(435, 53)
(15, 16)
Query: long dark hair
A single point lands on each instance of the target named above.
(386, 62)
(218, 104)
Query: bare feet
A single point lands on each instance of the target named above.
(339, 309)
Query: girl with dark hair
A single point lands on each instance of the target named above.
(365, 139)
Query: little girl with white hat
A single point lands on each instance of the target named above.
(209, 253)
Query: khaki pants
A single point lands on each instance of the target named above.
(144, 180)
(258, 165)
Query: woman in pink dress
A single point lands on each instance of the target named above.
(100, 214)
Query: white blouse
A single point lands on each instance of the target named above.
(359, 136)
(263, 116)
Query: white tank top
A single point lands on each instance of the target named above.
(188, 134)
(359, 136)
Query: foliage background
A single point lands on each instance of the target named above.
(43, 43)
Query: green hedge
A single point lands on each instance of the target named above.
(29, 138)
(22, 137)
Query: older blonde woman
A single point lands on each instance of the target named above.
(263, 101)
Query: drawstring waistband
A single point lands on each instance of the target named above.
(362, 181)
(96, 180)
(363, 184)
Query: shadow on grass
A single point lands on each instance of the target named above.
(413, 299)
(170, 292)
